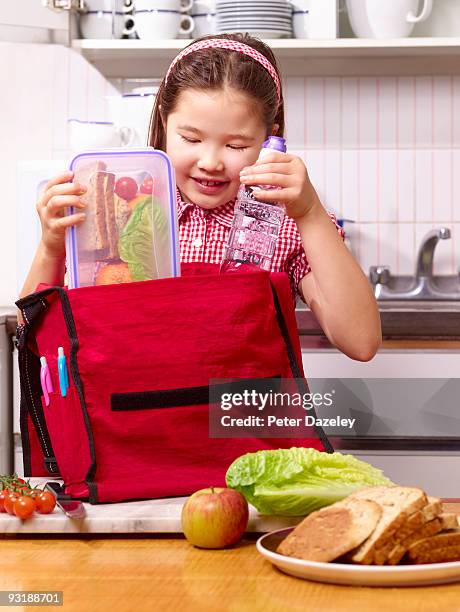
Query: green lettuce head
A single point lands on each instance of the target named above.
(297, 481)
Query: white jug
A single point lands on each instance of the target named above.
(386, 18)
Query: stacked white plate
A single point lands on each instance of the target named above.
(263, 18)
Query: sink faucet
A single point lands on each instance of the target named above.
(424, 266)
(422, 286)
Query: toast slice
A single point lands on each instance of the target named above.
(439, 548)
(440, 555)
(441, 523)
(414, 522)
(397, 504)
(329, 533)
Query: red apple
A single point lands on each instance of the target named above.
(215, 517)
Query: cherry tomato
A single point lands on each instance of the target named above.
(147, 186)
(3, 494)
(24, 507)
(10, 500)
(45, 502)
(34, 493)
(126, 188)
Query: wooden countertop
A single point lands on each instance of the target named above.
(164, 573)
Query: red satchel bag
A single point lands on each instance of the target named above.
(140, 357)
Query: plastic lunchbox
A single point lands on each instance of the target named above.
(130, 232)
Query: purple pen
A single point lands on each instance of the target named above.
(45, 379)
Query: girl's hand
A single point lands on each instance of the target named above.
(58, 195)
(289, 174)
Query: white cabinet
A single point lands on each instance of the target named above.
(404, 363)
(399, 395)
(30, 21)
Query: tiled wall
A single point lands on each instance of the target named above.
(41, 87)
(384, 152)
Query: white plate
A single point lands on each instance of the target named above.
(258, 32)
(356, 575)
(263, 23)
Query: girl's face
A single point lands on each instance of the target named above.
(210, 137)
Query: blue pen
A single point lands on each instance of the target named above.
(62, 370)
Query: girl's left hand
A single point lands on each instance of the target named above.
(289, 175)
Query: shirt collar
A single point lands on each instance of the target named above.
(223, 214)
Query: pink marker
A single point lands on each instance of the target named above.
(45, 379)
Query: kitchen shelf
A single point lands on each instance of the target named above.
(339, 57)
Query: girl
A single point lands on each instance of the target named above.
(220, 99)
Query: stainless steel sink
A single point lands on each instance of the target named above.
(423, 285)
(419, 305)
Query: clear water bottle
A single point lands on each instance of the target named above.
(256, 225)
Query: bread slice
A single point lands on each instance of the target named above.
(396, 503)
(330, 532)
(440, 555)
(441, 523)
(414, 522)
(92, 234)
(108, 182)
(422, 548)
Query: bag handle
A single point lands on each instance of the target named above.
(299, 377)
(29, 377)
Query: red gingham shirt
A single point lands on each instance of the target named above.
(203, 236)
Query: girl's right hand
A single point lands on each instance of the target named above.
(59, 194)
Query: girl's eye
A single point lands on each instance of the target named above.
(236, 148)
(192, 140)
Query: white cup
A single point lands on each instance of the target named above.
(386, 18)
(164, 19)
(133, 109)
(205, 18)
(317, 19)
(103, 19)
(98, 134)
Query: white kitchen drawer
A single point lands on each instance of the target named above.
(331, 363)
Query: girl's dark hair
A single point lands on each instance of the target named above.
(216, 68)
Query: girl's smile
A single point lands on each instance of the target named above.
(210, 137)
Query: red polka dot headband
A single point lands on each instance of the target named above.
(233, 45)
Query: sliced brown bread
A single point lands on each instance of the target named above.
(397, 504)
(423, 547)
(441, 523)
(413, 523)
(440, 555)
(332, 531)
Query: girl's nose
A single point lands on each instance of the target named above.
(210, 163)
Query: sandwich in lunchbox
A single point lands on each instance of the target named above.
(106, 213)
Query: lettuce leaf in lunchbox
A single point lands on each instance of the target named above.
(144, 241)
(297, 481)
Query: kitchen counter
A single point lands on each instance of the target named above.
(400, 320)
(165, 573)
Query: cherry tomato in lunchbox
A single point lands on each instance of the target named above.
(126, 188)
(10, 500)
(45, 502)
(24, 507)
(147, 186)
